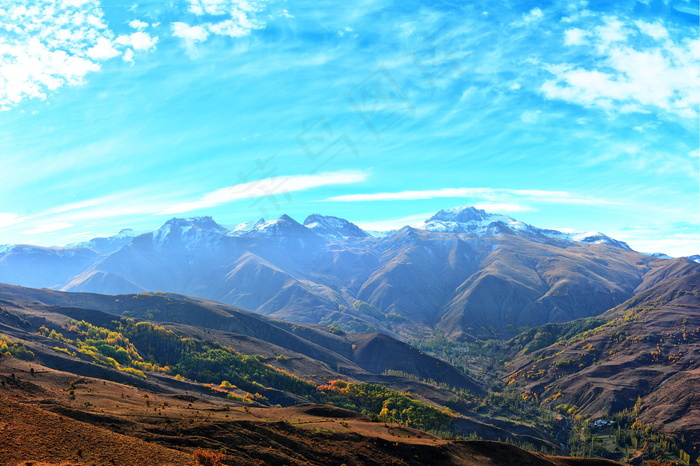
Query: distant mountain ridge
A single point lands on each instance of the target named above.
(464, 273)
(456, 220)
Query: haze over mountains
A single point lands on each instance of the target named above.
(464, 273)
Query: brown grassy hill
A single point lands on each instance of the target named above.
(303, 351)
(643, 355)
(315, 352)
(105, 423)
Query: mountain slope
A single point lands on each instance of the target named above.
(643, 355)
(317, 348)
(72, 331)
(108, 244)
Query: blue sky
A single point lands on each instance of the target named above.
(570, 115)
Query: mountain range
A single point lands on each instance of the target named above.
(463, 273)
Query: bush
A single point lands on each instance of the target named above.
(208, 458)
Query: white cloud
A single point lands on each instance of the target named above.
(500, 196)
(575, 36)
(48, 228)
(612, 31)
(627, 77)
(675, 245)
(533, 15)
(411, 195)
(138, 25)
(47, 46)
(385, 225)
(235, 19)
(7, 219)
(128, 56)
(138, 41)
(79, 205)
(209, 7)
(102, 50)
(266, 187)
(502, 207)
(189, 33)
(654, 30)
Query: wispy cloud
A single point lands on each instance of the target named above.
(393, 224)
(79, 205)
(488, 194)
(503, 207)
(267, 187)
(48, 228)
(7, 219)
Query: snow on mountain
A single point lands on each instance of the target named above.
(380, 234)
(592, 237)
(245, 227)
(470, 220)
(282, 226)
(695, 257)
(333, 227)
(188, 231)
(660, 255)
(481, 223)
(107, 244)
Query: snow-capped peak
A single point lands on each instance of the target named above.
(468, 220)
(245, 227)
(592, 237)
(479, 222)
(463, 214)
(660, 255)
(125, 233)
(187, 231)
(333, 227)
(281, 226)
(203, 223)
(107, 244)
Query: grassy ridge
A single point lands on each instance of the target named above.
(140, 347)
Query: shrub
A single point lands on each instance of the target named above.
(208, 458)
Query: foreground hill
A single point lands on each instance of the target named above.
(56, 417)
(640, 359)
(464, 273)
(249, 358)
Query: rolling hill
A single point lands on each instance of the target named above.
(114, 381)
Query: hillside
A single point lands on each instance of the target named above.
(270, 362)
(639, 360)
(110, 423)
(75, 373)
